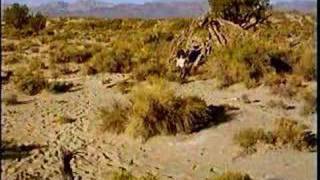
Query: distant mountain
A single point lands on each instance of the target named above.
(152, 9)
(103, 9)
(299, 5)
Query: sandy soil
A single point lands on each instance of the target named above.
(182, 157)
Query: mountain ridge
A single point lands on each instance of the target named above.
(152, 9)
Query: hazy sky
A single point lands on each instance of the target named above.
(113, 1)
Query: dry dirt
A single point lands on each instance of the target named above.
(182, 157)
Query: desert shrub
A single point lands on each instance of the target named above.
(248, 138)
(244, 61)
(157, 36)
(245, 13)
(310, 103)
(71, 53)
(290, 132)
(11, 99)
(126, 175)
(153, 67)
(278, 104)
(17, 15)
(8, 47)
(37, 22)
(286, 132)
(147, 24)
(27, 44)
(157, 111)
(125, 87)
(122, 175)
(29, 81)
(232, 176)
(12, 59)
(180, 24)
(306, 66)
(285, 86)
(59, 86)
(118, 60)
(113, 120)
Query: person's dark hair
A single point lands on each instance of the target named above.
(181, 54)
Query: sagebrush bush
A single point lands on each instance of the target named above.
(246, 60)
(71, 53)
(117, 60)
(29, 81)
(157, 111)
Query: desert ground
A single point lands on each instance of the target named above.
(50, 121)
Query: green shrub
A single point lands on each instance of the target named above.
(37, 22)
(17, 15)
(241, 12)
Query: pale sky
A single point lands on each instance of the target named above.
(114, 1)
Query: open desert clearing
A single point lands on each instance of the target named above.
(195, 156)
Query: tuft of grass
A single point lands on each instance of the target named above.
(286, 132)
(232, 176)
(157, 111)
(126, 175)
(113, 120)
(290, 132)
(248, 138)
